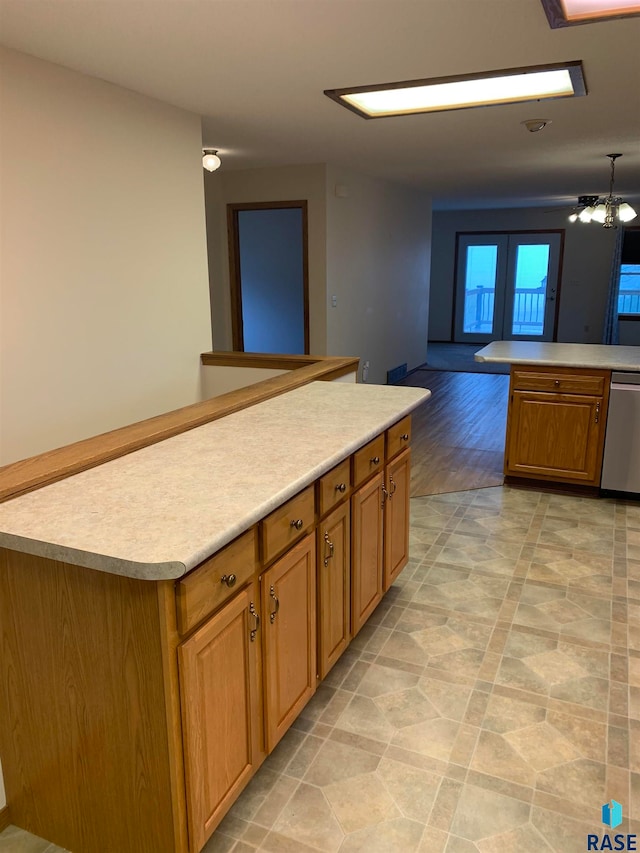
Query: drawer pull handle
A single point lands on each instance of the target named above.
(297, 523)
(230, 580)
(556, 382)
(341, 487)
(254, 630)
(598, 413)
(330, 554)
(404, 436)
(392, 487)
(375, 460)
(274, 613)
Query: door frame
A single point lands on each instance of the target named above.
(235, 281)
(507, 232)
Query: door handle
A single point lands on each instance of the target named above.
(254, 630)
(330, 554)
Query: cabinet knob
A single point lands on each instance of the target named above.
(404, 436)
(557, 383)
(341, 487)
(297, 523)
(375, 460)
(230, 580)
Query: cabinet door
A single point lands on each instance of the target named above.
(220, 713)
(289, 637)
(334, 565)
(366, 554)
(555, 436)
(396, 517)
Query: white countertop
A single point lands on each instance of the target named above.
(562, 355)
(156, 513)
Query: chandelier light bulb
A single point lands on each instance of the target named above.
(586, 214)
(625, 212)
(600, 213)
(573, 217)
(210, 159)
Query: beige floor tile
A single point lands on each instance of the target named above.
(14, 840)
(495, 756)
(413, 791)
(308, 818)
(481, 814)
(542, 746)
(390, 836)
(506, 715)
(335, 762)
(582, 782)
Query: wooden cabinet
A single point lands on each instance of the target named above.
(396, 516)
(187, 684)
(366, 551)
(221, 701)
(334, 587)
(289, 637)
(556, 424)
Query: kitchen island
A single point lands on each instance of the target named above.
(558, 405)
(167, 614)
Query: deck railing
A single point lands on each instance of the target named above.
(528, 309)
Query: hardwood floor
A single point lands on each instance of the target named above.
(459, 433)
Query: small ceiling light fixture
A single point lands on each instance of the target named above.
(607, 211)
(462, 91)
(567, 13)
(210, 159)
(533, 125)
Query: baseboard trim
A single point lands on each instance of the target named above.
(5, 818)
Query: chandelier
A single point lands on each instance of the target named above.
(607, 210)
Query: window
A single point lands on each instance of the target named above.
(629, 292)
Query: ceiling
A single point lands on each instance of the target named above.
(256, 71)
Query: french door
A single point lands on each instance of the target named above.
(507, 286)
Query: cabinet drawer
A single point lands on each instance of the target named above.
(398, 437)
(368, 460)
(287, 524)
(567, 383)
(204, 589)
(334, 486)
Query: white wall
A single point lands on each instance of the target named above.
(287, 183)
(588, 251)
(104, 295)
(378, 256)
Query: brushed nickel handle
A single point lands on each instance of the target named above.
(274, 613)
(254, 630)
(297, 523)
(341, 487)
(404, 436)
(330, 544)
(230, 580)
(392, 483)
(375, 460)
(598, 413)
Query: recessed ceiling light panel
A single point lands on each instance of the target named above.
(508, 86)
(565, 13)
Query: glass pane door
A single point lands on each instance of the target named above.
(506, 286)
(479, 297)
(531, 287)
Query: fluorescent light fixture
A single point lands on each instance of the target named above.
(566, 13)
(508, 86)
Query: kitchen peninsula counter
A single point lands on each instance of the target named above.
(156, 513)
(539, 353)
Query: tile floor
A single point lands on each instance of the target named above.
(491, 703)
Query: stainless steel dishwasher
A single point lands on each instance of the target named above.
(621, 463)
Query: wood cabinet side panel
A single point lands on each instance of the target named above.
(83, 736)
